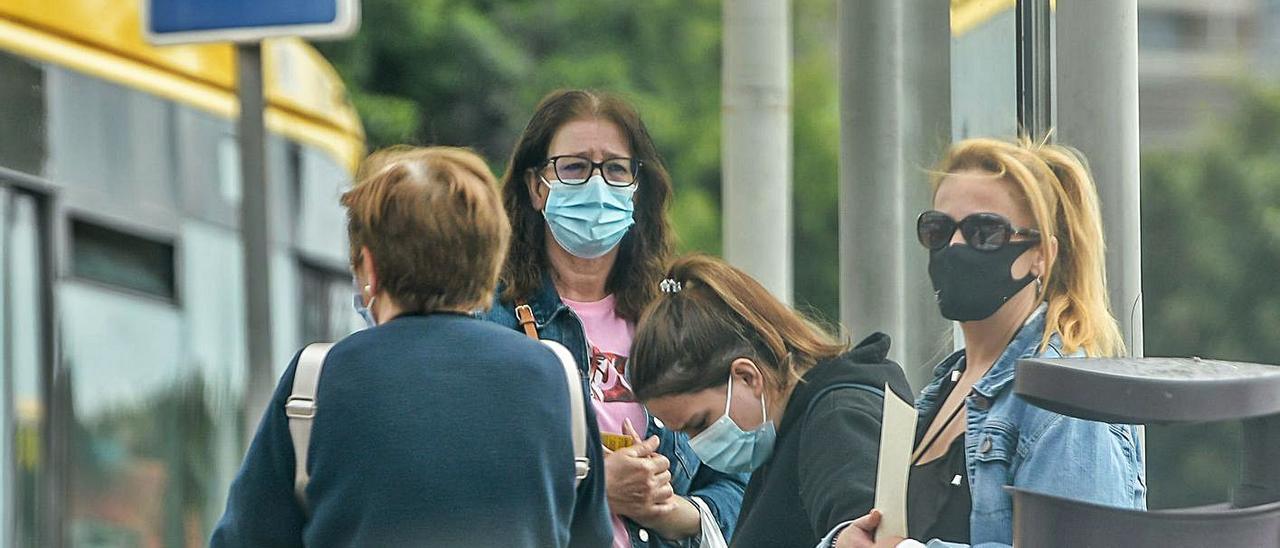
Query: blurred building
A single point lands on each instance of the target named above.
(1193, 57)
(122, 323)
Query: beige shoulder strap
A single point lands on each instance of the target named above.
(301, 410)
(577, 409)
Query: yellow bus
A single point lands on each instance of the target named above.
(122, 324)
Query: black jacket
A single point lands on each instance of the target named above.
(823, 469)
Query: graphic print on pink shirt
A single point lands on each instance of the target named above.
(608, 375)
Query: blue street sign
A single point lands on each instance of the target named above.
(189, 21)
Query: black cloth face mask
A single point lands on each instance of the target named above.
(972, 285)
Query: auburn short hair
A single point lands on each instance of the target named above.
(434, 223)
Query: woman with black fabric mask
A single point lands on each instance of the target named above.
(1016, 256)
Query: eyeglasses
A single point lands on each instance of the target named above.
(575, 170)
(982, 231)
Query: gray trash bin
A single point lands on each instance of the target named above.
(1159, 391)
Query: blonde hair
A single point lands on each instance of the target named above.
(434, 223)
(686, 341)
(1058, 190)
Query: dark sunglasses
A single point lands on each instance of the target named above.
(982, 231)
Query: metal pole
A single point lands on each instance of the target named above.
(756, 141)
(895, 120)
(56, 381)
(254, 230)
(1098, 114)
(1035, 68)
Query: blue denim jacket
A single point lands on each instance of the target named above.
(722, 492)
(1011, 442)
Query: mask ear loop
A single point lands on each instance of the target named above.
(728, 399)
(764, 410)
(369, 289)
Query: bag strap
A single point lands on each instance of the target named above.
(581, 464)
(524, 315)
(301, 411)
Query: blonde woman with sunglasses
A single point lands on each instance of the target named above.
(1016, 257)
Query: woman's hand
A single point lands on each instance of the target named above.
(637, 479)
(638, 483)
(862, 534)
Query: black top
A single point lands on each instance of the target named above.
(938, 500)
(437, 430)
(823, 469)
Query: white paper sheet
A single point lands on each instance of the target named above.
(897, 435)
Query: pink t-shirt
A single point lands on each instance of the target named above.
(609, 338)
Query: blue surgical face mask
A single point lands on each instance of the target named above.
(726, 447)
(588, 220)
(361, 308)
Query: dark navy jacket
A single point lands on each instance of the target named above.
(722, 492)
(437, 430)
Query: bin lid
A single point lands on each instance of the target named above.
(1150, 390)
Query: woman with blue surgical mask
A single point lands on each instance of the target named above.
(760, 389)
(586, 194)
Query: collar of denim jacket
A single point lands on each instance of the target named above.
(546, 303)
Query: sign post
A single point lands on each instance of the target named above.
(247, 23)
(255, 231)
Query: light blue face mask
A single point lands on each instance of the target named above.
(726, 447)
(358, 302)
(588, 220)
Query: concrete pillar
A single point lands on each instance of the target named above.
(756, 141)
(895, 121)
(1097, 77)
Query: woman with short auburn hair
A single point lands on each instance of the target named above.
(430, 428)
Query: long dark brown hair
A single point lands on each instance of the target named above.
(688, 340)
(646, 247)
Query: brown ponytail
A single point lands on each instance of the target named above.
(686, 340)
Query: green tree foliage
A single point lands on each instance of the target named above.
(469, 73)
(1211, 240)
(1211, 253)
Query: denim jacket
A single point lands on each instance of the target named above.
(1011, 442)
(721, 492)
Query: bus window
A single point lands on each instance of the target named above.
(327, 312)
(124, 260)
(22, 115)
(135, 419)
(23, 319)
